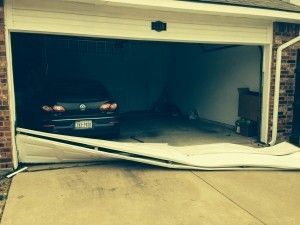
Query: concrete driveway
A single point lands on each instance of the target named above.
(133, 194)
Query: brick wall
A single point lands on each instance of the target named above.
(283, 32)
(5, 135)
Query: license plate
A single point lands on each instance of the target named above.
(85, 124)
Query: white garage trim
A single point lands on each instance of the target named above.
(128, 21)
(266, 88)
(69, 18)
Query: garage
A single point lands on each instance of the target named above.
(173, 82)
(161, 88)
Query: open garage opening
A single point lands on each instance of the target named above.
(176, 93)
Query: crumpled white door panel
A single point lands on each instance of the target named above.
(40, 147)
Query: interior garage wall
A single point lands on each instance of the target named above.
(29, 64)
(207, 79)
(29, 71)
(133, 72)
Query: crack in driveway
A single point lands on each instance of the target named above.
(227, 197)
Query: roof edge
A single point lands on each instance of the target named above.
(244, 6)
(205, 8)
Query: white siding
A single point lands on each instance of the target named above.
(87, 19)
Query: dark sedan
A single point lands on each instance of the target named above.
(78, 107)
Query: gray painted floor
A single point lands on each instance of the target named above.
(178, 131)
(135, 194)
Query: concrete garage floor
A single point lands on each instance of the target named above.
(134, 194)
(178, 131)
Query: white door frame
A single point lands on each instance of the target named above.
(8, 30)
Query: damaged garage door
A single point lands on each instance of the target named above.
(38, 147)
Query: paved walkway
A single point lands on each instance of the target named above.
(133, 194)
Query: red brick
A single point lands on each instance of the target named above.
(5, 135)
(283, 32)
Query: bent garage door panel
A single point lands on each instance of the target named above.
(87, 19)
(40, 147)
